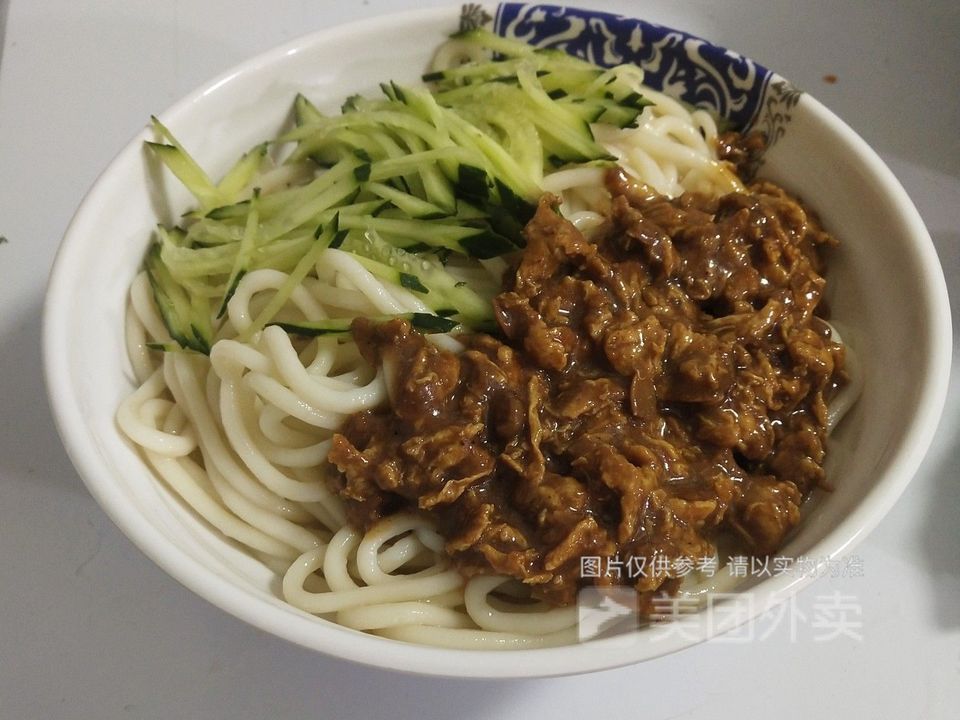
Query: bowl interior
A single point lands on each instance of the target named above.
(886, 292)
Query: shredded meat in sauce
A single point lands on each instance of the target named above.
(655, 388)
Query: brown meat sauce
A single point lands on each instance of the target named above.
(657, 387)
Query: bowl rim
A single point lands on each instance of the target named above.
(356, 646)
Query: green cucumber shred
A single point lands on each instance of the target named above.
(403, 182)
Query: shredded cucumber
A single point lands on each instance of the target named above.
(401, 182)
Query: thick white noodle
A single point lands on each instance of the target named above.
(392, 615)
(848, 394)
(538, 619)
(471, 639)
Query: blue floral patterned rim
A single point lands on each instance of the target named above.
(744, 93)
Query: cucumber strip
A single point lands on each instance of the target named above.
(193, 262)
(431, 181)
(241, 263)
(617, 115)
(198, 263)
(188, 173)
(428, 272)
(277, 253)
(424, 322)
(423, 105)
(557, 122)
(465, 76)
(444, 233)
(478, 242)
(309, 213)
(304, 111)
(186, 317)
(394, 276)
(497, 161)
(487, 244)
(467, 212)
(364, 208)
(395, 117)
(175, 236)
(518, 137)
(482, 242)
(617, 84)
(569, 80)
(386, 169)
(498, 44)
(282, 255)
(210, 233)
(328, 147)
(558, 71)
(427, 182)
(378, 146)
(239, 177)
(227, 212)
(438, 189)
(168, 347)
(481, 149)
(272, 205)
(490, 156)
(409, 204)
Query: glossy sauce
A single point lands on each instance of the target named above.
(651, 389)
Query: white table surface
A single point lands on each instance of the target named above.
(90, 629)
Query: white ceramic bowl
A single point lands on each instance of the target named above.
(886, 290)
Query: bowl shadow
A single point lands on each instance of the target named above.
(940, 543)
(29, 444)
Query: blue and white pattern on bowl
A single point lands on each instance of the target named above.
(744, 93)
